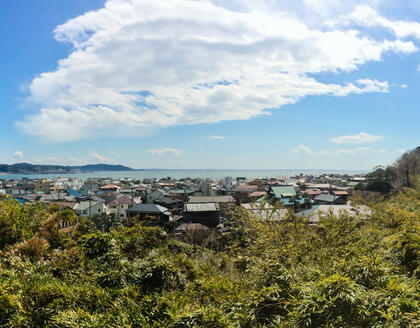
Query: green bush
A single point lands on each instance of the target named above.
(346, 271)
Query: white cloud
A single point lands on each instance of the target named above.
(400, 151)
(302, 149)
(51, 159)
(367, 16)
(163, 151)
(98, 157)
(403, 86)
(18, 154)
(359, 151)
(138, 65)
(357, 138)
(217, 137)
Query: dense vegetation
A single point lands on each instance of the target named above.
(343, 272)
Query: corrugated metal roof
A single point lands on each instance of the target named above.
(201, 207)
(316, 211)
(211, 199)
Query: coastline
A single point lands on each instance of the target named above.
(184, 173)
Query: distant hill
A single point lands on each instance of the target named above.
(26, 168)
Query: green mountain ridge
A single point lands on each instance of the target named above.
(26, 168)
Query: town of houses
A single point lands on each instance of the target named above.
(190, 204)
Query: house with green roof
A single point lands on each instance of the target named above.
(284, 194)
(280, 192)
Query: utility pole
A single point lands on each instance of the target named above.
(90, 207)
(132, 196)
(90, 201)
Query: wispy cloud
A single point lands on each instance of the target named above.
(163, 151)
(18, 154)
(51, 159)
(98, 157)
(302, 149)
(357, 138)
(216, 137)
(367, 16)
(359, 151)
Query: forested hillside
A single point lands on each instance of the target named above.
(25, 168)
(399, 175)
(343, 272)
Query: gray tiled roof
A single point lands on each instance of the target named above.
(147, 208)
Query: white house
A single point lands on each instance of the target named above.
(155, 196)
(119, 206)
(90, 208)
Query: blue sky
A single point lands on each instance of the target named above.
(209, 84)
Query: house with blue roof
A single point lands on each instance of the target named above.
(74, 193)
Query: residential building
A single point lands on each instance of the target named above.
(207, 214)
(155, 213)
(90, 208)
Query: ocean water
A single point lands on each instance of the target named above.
(192, 173)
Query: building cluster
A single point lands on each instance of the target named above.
(189, 204)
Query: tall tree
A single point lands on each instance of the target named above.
(407, 165)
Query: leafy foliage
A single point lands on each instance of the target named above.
(343, 272)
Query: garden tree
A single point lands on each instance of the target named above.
(407, 165)
(380, 179)
(104, 221)
(17, 222)
(397, 176)
(345, 271)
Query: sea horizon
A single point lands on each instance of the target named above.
(187, 173)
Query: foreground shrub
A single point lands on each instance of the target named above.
(346, 271)
(34, 248)
(332, 301)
